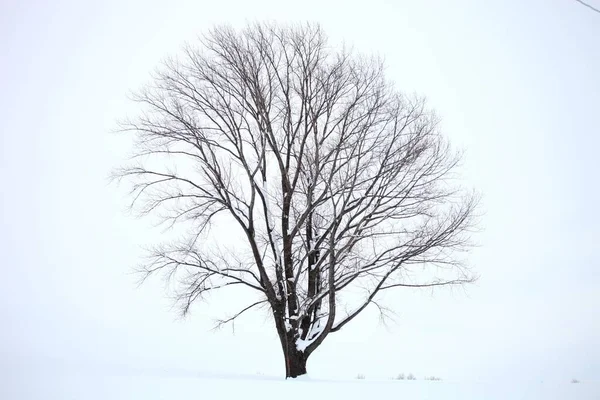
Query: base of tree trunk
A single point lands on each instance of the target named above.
(295, 363)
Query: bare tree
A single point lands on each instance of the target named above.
(336, 183)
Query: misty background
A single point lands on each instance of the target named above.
(517, 85)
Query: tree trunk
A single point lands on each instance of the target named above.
(295, 362)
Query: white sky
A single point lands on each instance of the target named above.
(517, 84)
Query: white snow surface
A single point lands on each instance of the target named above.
(164, 384)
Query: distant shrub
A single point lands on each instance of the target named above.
(574, 381)
(360, 376)
(411, 377)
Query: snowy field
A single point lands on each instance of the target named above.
(149, 386)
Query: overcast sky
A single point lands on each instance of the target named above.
(517, 85)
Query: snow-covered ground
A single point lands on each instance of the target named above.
(147, 385)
